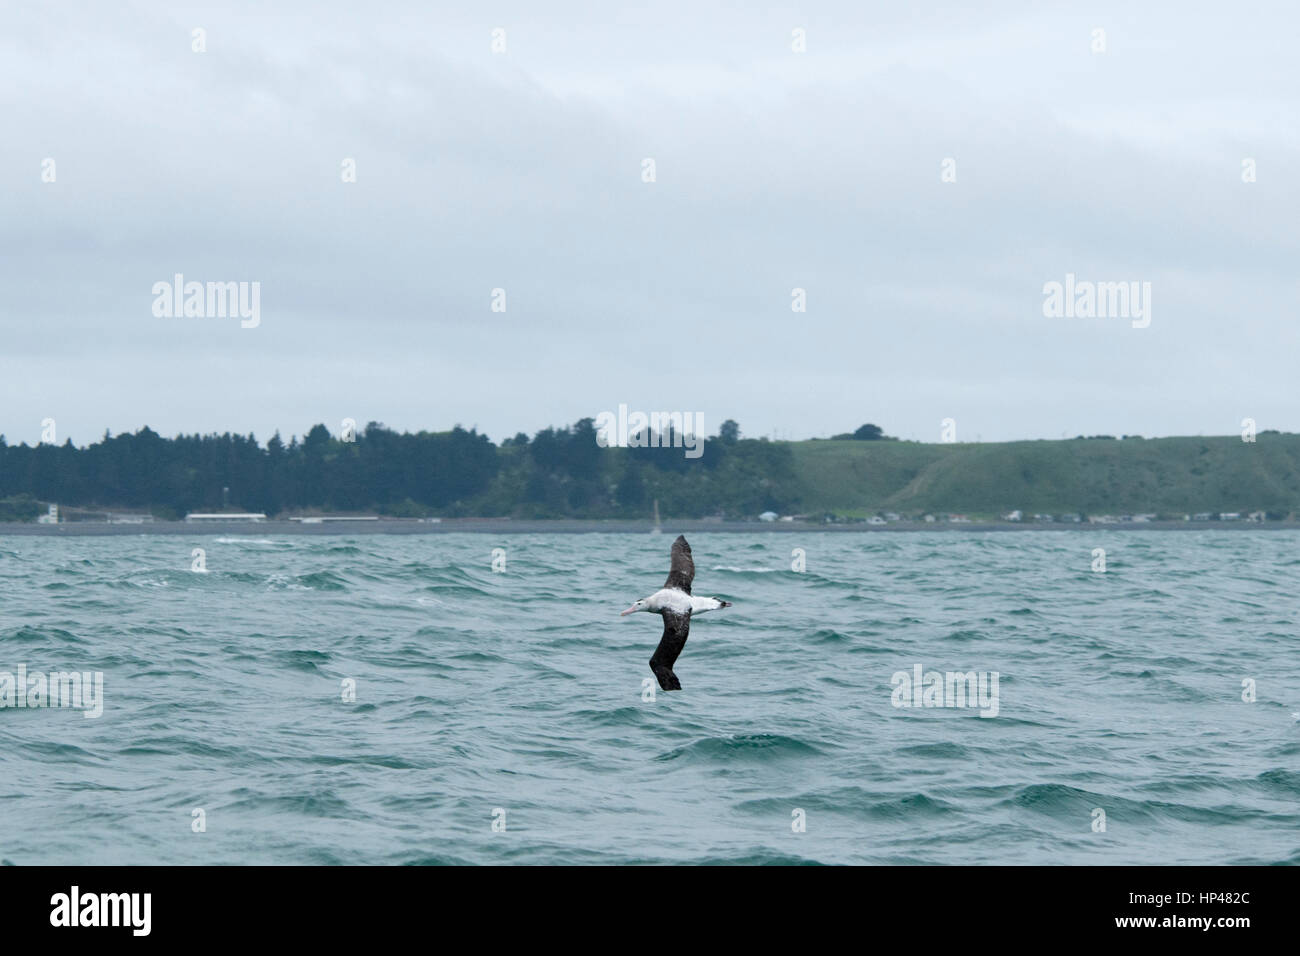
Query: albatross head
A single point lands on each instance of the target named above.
(641, 605)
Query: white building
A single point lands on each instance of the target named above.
(195, 517)
(120, 518)
(321, 519)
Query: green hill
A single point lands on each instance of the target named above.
(1096, 476)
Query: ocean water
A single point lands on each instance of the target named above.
(521, 691)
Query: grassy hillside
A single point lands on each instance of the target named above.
(1162, 475)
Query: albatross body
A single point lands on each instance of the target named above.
(676, 604)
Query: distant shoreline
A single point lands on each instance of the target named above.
(577, 526)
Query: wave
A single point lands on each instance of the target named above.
(742, 747)
(522, 690)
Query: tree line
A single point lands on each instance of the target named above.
(558, 472)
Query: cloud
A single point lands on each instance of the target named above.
(522, 171)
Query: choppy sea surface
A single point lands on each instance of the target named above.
(516, 696)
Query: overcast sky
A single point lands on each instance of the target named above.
(775, 170)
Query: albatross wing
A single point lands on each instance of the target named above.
(676, 629)
(683, 568)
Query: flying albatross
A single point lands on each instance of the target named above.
(675, 603)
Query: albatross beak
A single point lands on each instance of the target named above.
(628, 611)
